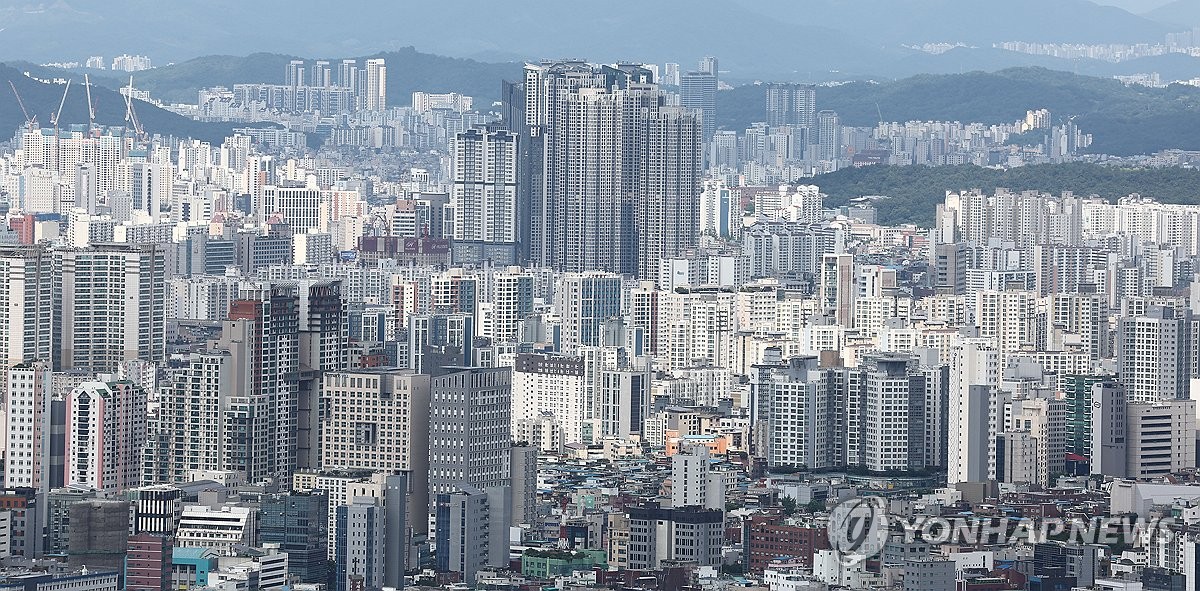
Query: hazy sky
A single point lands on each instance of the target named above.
(1134, 6)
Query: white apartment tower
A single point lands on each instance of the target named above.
(974, 411)
(111, 306)
(106, 432)
(26, 305)
(376, 95)
(27, 428)
(550, 386)
(693, 483)
(484, 194)
(1153, 352)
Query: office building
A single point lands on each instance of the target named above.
(658, 535)
(58, 516)
(297, 522)
(360, 544)
(298, 206)
(469, 428)
(148, 565)
(1160, 438)
(379, 420)
(1109, 452)
(222, 528)
(698, 91)
(463, 536)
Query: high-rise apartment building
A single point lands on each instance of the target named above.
(512, 303)
(484, 193)
(27, 411)
(803, 415)
(605, 134)
(376, 91)
(110, 305)
(550, 386)
(106, 434)
(795, 105)
(693, 483)
(829, 136)
(239, 398)
(27, 305)
(1153, 352)
(585, 302)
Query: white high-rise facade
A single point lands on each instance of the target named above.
(550, 386)
(106, 432)
(27, 426)
(376, 95)
(693, 483)
(26, 305)
(1153, 355)
(111, 301)
(484, 194)
(974, 411)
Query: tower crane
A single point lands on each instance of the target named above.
(131, 115)
(87, 85)
(30, 122)
(54, 116)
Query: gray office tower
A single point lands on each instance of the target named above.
(610, 173)
(698, 90)
(470, 443)
(297, 522)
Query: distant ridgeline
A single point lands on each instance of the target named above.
(914, 191)
(1124, 120)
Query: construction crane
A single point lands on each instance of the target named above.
(30, 122)
(87, 85)
(131, 115)
(55, 115)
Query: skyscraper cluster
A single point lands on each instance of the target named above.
(568, 340)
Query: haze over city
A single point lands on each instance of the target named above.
(669, 296)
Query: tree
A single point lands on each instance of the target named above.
(789, 505)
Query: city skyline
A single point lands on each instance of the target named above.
(688, 320)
